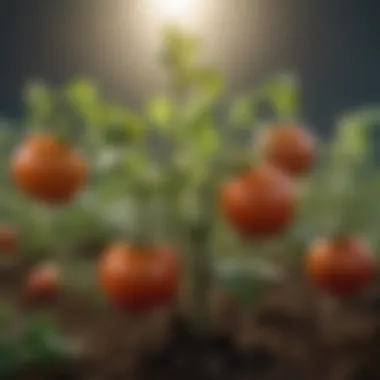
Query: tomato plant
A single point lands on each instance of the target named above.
(139, 279)
(171, 173)
(48, 170)
(260, 203)
(342, 266)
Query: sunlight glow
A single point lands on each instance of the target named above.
(175, 10)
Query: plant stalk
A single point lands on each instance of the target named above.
(200, 262)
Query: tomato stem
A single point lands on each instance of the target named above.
(142, 221)
(200, 268)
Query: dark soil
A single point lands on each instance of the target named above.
(294, 334)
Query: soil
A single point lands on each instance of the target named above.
(293, 334)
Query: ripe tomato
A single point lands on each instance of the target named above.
(342, 267)
(137, 279)
(8, 239)
(291, 148)
(43, 282)
(261, 203)
(48, 170)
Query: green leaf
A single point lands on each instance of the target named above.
(161, 112)
(136, 163)
(352, 144)
(352, 137)
(242, 111)
(39, 102)
(179, 50)
(43, 343)
(284, 93)
(83, 92)
(211, 83)
(246, 279)
(208, 141)
(122, 125)
(83, 95)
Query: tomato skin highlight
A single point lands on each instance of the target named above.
(342, 268)
(48, 170)
(43, 283)
(8, 239)
(138, 280)
(290, 148)
(259, 204)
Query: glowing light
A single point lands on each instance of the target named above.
(174, 10)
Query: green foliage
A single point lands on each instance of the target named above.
(121, 125)
(243, 111)
(246, 279)
(184, 144)
(35, 341)
(284, 94)
(85, 99)
(180, 51)
(161, 112)
(41, 342)
(211, 84)
(39, 103)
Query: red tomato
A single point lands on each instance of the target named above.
(343, 267)
(261, 203)
(8, 239)
(291, 148)
(48, 170)
(138, 280)
(43, 283)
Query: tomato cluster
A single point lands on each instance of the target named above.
(260, 203)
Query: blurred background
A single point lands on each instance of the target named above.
(330, 44)
(152, 162)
